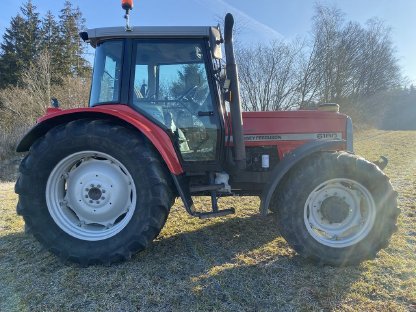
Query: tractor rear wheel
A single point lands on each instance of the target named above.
(93, 192)
(336, 208)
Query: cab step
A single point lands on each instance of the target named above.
(185, 192)
(213, 214)
(204, 188)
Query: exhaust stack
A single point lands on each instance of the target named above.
(235, 104)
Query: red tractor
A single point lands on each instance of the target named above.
(97, 183)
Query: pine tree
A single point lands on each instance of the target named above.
(50, 44)
(50, 32)
(20, 46)
(10, 63)
(31, 33)
(72, 48)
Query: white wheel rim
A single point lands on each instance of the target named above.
(91, 195)
(339, 213)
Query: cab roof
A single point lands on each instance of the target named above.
(96, 35)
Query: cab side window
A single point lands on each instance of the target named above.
(107, 73)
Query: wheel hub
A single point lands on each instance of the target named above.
(335, 209)
(95, 193)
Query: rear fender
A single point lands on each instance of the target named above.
(121, 114)
(291, 160)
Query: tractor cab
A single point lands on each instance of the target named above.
(169, 75)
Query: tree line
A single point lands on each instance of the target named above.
(341, 61)
(30, 37)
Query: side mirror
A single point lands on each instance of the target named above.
(215, 43)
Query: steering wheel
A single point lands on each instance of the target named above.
(185, 95)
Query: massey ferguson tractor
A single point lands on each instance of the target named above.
(165, 121)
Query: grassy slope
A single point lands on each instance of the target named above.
(233, 263)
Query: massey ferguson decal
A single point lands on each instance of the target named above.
(293, 137)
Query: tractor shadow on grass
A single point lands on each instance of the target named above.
(242, 263)
(235, 264)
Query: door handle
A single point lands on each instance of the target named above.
(210, 113)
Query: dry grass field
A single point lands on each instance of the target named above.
(235, 263)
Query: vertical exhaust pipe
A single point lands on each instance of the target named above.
(235, 104)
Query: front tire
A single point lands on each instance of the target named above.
(93, 192)
(336, 208)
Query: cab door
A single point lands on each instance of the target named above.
(170, 84)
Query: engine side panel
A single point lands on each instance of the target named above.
(287, 130)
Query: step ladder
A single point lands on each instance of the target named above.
(213, 189)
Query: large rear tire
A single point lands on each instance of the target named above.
(93, 192)
(336, 208)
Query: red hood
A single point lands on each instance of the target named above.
(292, 122)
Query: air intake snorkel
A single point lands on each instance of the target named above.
(235, 103)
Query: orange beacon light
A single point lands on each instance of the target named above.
(127, 4)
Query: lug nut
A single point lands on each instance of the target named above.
(103, 191)
(90, 201)
(99, 185)
(103, 198)
(97, 202)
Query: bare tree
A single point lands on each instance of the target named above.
(29, 102)
(309, 76)
(268, 76)
(378, 68)
(21, 106)
(352, 61)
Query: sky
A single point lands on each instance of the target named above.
(259, 20)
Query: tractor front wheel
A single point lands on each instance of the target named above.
(93, 192)
(336, 208)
